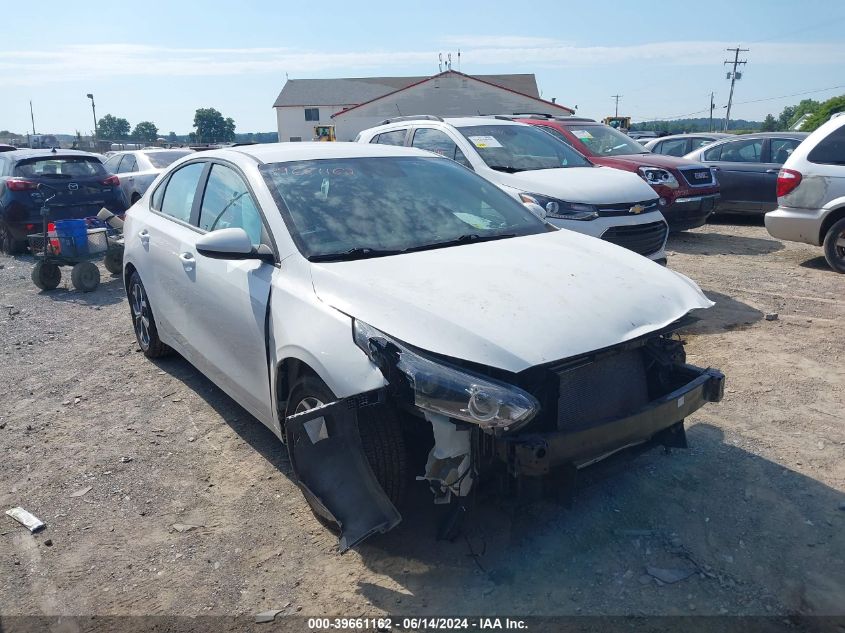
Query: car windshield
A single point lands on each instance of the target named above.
(603, 140)
(163, 159)
(513, 148)
(352, 208)
(60, 167)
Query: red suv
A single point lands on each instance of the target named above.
(687, 189)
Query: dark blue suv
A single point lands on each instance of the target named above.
(79, 181)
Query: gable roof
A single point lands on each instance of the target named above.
(478, 78)
(357, 90)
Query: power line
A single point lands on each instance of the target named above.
(794, 94)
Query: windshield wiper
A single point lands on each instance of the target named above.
(506, 168)
(462, 239)
(353, 253)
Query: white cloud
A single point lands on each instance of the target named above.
(482, 53)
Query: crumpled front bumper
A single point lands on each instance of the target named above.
(534, 454)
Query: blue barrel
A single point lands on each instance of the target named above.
(75, 234)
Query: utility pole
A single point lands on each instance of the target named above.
(32, 116)
(94, 110)
(617, 97)
(733, 76)
(712, 105)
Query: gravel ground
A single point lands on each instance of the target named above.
(190, 508)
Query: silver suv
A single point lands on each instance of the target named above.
(811, 193)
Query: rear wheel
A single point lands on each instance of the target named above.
(85, 276)
(8, 244)
(46, 276)
(114, 261)
(381, 436)
(142, 319)
(834, 246)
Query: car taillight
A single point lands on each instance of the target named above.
(788, 179)
(19, 184)
(111, 181)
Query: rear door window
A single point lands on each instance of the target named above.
(128, 165)
(112, 163)
(396, 137)
(181, 189)
(440, 143)
(698, 142)
(674, 147)
(744, 151)
(830, 150)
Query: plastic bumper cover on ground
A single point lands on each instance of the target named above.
(536, 454)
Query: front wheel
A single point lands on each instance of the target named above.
(381, 436)
(46, 276)
(834, 246)
(144, 324)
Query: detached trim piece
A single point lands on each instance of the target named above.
(332, 471)
(536, 454)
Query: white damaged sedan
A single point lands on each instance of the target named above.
(364, 300)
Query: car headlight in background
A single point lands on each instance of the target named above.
(559, 209)
(656, 176)
(439, 388)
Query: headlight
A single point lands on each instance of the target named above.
(656, 176)
(559, 209)
(440, 388)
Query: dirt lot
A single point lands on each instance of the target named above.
(754, 510)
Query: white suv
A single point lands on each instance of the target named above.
(811, 194)
(538, 169)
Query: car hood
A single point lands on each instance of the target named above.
(591, 185)
(633, 161)
(512, 303)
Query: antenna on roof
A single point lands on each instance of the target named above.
(459, 60)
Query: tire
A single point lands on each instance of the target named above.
(8, 244)
(46, 276)
(85, 276)
(143, 321)
(114, 261)
(834, 246)
(381, 437)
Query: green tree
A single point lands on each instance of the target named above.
(145, 131)
(791, 114)
(212, 127)
(172, 137)
(769, 124)
(824, 112)
(113, 128)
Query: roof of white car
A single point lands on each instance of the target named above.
(285, 152)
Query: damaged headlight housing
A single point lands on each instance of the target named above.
(439, 388)
(656, 176)
(560, 209)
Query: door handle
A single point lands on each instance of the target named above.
(188, 261)
(144, 236)
(772, 171)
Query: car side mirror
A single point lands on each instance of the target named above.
(232, 244)
(536, 209)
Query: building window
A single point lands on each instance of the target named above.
(295, 139)
(312, 114)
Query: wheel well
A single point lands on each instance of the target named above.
(127, 275)
(832, 218)
(288, 371)
(135, 197)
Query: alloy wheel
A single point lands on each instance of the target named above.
(141, 315)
